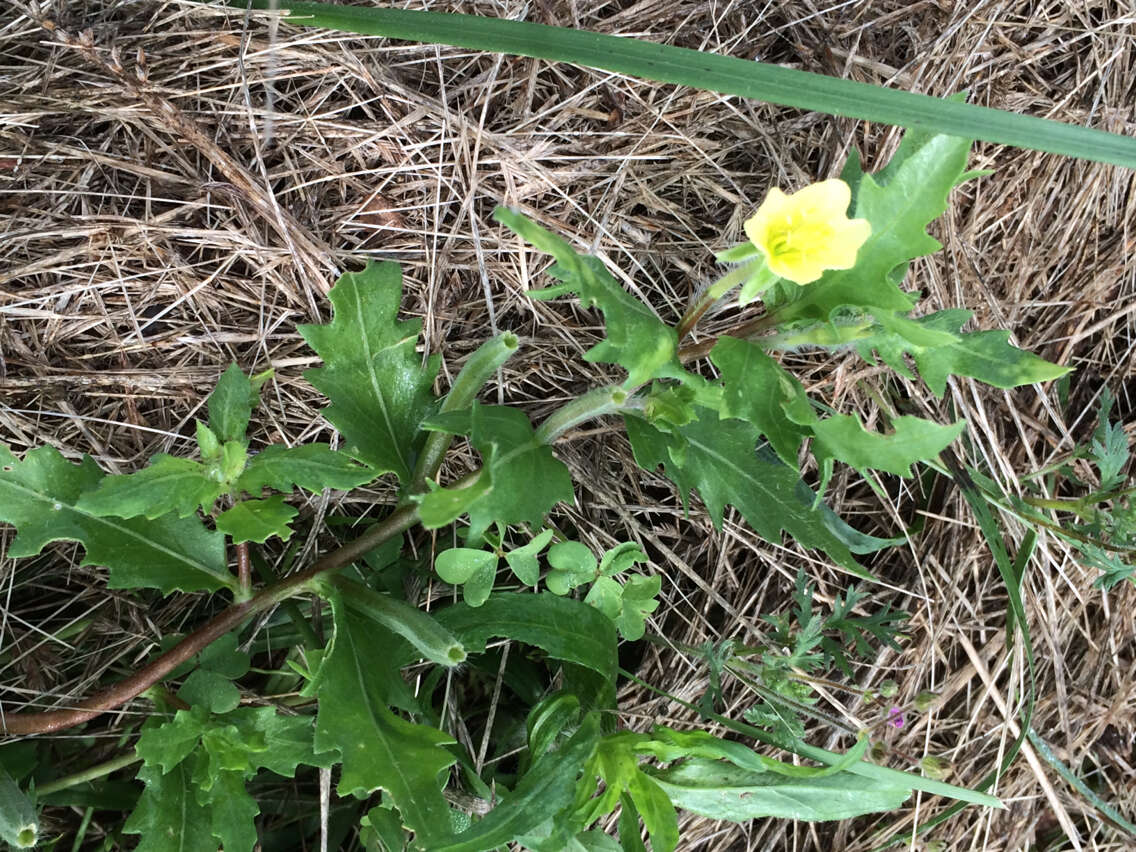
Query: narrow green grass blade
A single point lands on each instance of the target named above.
(725, 74)
(1011, 573)
(1080, 786)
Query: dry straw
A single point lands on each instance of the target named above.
(150, 233)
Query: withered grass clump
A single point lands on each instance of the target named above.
(180, 185)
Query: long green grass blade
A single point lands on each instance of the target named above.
(725, 74)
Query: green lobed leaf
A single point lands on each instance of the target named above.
(379, 750)
(195, 766)
(756, 389)
(234, 812)
(525, 479)
(1109, 447)
(377, 384)
(718, 458)
(637, 602)
(312, 467)
(719, 790)
(40, 494)
(572, 564)
(458, 564)
(606, 595)
(258, 520)
(983, 355)
(211, 691)
(289, 740)
(167, 484)
(637, 339)
(912, 439)
(166, 744)
(914, 195)
(230, 405)
(225, 657)
(168, 815)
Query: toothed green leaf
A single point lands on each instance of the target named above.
(379, 750)
(525, 479)
(719, 459)
(636, 339)
(910, 440)
(40, 495)
(376, 382)
(911, 196)
(168, 815)
(983, 355)
(230, 405)
(758, 389)
(167, 484)
(258, 520)
(312, 467)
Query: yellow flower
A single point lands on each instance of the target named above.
(803, 234)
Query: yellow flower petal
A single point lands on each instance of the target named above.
(803, 234)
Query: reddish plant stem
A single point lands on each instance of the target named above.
(694, 351)
(56, 720)
(244, 570)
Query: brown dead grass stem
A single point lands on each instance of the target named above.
(151, 231)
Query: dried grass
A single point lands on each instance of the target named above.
(151, 232)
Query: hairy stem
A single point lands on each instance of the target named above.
(709, 296)
(117, 695)
(755, 326)
(595, 403)
(244, 571)
(89, 774)
(478, 369)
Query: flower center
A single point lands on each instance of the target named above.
(797, 235)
